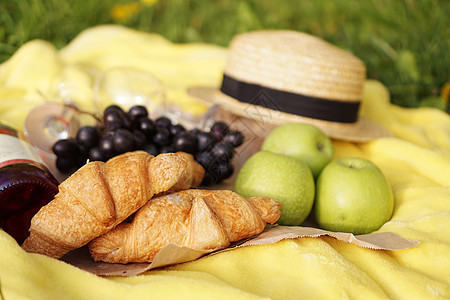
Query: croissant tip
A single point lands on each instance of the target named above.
(35, 243)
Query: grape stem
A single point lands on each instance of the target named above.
(96, 116)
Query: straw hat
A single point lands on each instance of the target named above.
(282, 76)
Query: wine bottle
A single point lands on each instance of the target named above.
(26, 184)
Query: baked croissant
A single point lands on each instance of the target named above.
(101, 195)
(191, 178)
(198, 219)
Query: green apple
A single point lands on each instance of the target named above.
(280, 177)
(352, 195)
(302, 141)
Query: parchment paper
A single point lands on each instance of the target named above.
(172, 254)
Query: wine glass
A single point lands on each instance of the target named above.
(127, 86)
(68, 105)
(59, 116)
(52, 121)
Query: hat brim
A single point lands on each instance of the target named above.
(361, 131)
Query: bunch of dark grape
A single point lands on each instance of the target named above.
(123, 131)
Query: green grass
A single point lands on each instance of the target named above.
(404, 43)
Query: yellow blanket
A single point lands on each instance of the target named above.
(416, 162)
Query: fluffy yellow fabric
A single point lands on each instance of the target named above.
(33, 276)
(416, 162)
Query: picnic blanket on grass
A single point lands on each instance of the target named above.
(416, 162)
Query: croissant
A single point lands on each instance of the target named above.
(192, 177)
(198, 219)
(101, 195)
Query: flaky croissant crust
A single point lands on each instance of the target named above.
(198, 219)
(100, 195)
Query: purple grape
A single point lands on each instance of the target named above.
(113, 119)
(162, 136)
(65, 148)
(163, 122)
(234, 137)
(106, 146)
(66, 164)
(205, 159)
(112, 107)
(82, 156)
(139, 139)
(137, 112)
(95, 154)
(205, 141)
(222, 151)
(146, 126)
(123, 140)
(127, 121)
(224, 170)
(220, 169)
(176, 129)
(185, 142)
(87, 136)
(209, 179)
(219, 129)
